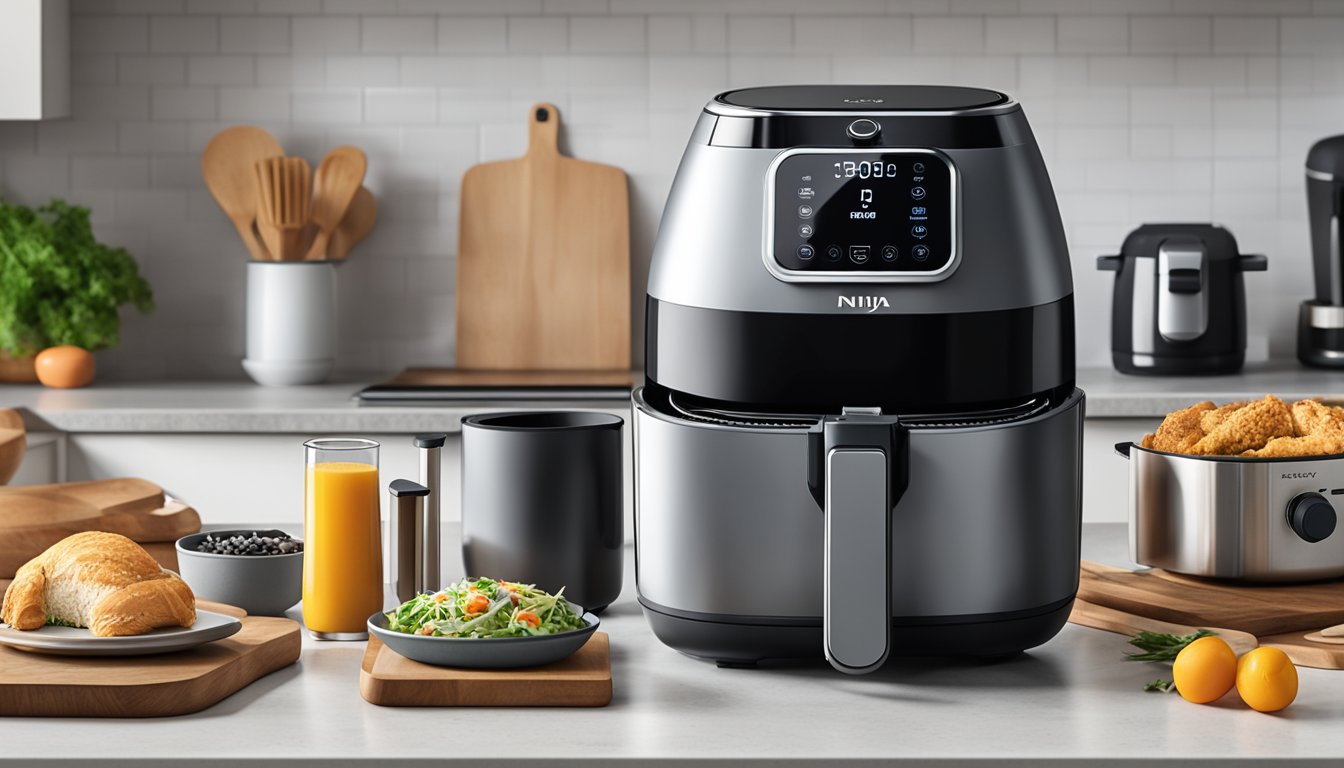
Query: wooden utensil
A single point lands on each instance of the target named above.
(38, 685)
(337, 181)
(121, 494)
(357, 224)
(582, 680)
(67, 517)
(543, 264)
(227, 166)
(282, 186)
(1100, 617)
(13, 443)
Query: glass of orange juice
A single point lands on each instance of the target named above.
(342, 560)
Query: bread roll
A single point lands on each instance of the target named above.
(103, 581)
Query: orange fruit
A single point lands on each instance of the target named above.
(1266, 679)
(1204, 670)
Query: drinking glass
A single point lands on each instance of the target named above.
(343, 563)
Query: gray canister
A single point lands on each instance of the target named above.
(542, 501)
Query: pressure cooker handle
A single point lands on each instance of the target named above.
(859, 462)
(1123, 449)
(1253, 262)
(1110, 263)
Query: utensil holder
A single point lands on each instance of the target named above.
(291, 322)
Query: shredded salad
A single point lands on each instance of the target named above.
(485, 608)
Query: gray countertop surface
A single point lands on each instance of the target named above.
(239, 406)
(1073, 698)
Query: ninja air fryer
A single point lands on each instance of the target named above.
(1180, 300)
(859, 433)
(1320, 325)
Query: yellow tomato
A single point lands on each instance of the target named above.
(64, 367)
(1204, 670)
(1266, 679)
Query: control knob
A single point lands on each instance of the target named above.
(1311, 517)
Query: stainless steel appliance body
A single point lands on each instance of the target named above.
(1320, 328)
(1235, 518)
(859, 431)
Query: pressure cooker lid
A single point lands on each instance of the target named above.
(863, 98)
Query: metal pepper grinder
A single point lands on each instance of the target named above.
(431, 463)
(406, 539)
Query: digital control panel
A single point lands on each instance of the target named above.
(863, 212)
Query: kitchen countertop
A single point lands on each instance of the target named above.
(240, 406)
(1072, 698)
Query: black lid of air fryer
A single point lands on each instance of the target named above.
(863, 98)
(1327, 156)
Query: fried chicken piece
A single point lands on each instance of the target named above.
(1320, 444)
(1210, 420)
(1247, 428)
(1312, 417)
(1180, 430)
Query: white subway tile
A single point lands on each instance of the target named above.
(1262, 72)
(109, 172)
(183, 34)
(177, 172)
(221, 70)
(851, 35)
(147, 6)
(594, 70)
(535, 35)
(1093, 34)
(254, 104)
(355, 71)
(1047, 73)
(398, 34)
(1312, 35)
(1091, 142)
(110, 102)
(1092, 106)
(1131, 70)
(138, 69)
(1192, 141)
(709, 34)
(326, 105)
(574, 7)
(355, 7)
(324, 34)
(136, 206)
(1245, 111)
(1173, 106)
(401, 105)
(607, 34)
(1222, 71)
(93, 69)
(1150, 141)
(1239, 35)
(945, 35)
(1170, 34)
(669, 34)
(254, 34)
(32, 180)
(470, 71)
(222, 7)
(1233, 141)
(760, 34)
(109, 34)
(169, 102)
(470, 106)
(777, 70)
(68, 137)
(1020, 34)
(151, 137)
(1259, 175)
(1243, 7)
(466, 34)
(296, 71)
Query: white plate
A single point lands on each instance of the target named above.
(77, 641)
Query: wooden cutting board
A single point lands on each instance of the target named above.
(37, 685)
(543, 262)
(1260, 610)
(583, 680)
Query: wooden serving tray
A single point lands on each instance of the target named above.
(39, 685)
(389, 679)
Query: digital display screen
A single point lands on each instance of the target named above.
(880, 212)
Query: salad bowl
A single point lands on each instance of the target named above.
(485, 652)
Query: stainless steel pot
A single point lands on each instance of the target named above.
(1235, 518)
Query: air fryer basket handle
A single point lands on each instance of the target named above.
(863, 462)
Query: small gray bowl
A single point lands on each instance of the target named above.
(262, 585)
(485, 652)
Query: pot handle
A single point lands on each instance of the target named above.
(1110, 263)
(1253, 262)
(1123, 449)
(858, 467)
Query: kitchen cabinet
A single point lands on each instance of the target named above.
(34, 59)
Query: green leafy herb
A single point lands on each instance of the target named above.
(58, 284)
(52, 620)
(1161, 646)
(1163, 686)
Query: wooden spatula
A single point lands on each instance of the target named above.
(13, 443)
(357, 224)
(282, 186)
(334, 186)
(227, 166)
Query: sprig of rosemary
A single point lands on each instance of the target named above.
(1162, 646)
(1161, 686)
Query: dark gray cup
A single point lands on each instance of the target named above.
(542, 501)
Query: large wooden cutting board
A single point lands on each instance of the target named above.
(543, 263)
(34, 684)
(389, 679)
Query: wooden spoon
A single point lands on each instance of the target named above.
(227, 166)
(356, 225)
(334, 186)
(13, 443)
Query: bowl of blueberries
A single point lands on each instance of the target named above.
(260, 571)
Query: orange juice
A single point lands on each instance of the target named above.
(342, 562)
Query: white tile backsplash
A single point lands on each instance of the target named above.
(1145, 110)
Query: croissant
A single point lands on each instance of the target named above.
(103, 581)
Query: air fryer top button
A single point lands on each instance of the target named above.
(863, 129)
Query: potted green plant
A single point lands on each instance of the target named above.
(59, 285)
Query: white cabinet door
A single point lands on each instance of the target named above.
(34, 59)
